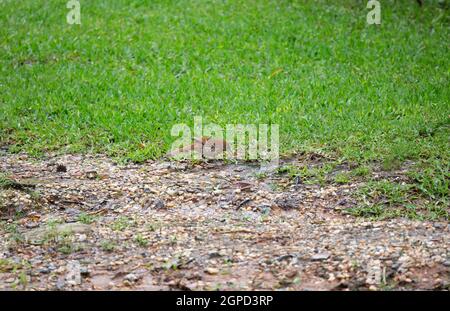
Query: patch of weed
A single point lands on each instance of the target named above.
(140, 240)
(342, 178)
(122, 223)
(86, 218)
(108, 245)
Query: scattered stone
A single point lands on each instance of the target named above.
(82, 238)
(73, 276)
(287, 203)
(439, 225)
(131, 277)
(403, 264)
(320, 256)
(213, 255)
(212, 271)
(60, 284)
(374, 273)
(85, 272)
(159, 204)
(285, 257)
(244, 186)
(243, 203)
(92, 175)
(31, 225)
(44, 270)
(73, 212)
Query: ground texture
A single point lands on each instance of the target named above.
(84, 222)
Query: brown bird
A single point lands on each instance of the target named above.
(207, 147)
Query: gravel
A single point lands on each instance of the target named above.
(162, 225)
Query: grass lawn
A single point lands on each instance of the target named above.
(121, 79)
(132, 69)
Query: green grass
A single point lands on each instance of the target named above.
(122, 223)
(86, 218)
(120, 80)
(342, 178)
(361, 171)
(5, 181)
(309, 175)
(422, 193)
(7, 265)
(386, 192)
(386, 199)
(141, 240)
(15, 236)
(108, 246)
(432, 179)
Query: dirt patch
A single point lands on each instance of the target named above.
(163, 225)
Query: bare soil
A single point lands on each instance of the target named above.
(82, 222)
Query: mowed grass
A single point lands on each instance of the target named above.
(120, 80)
